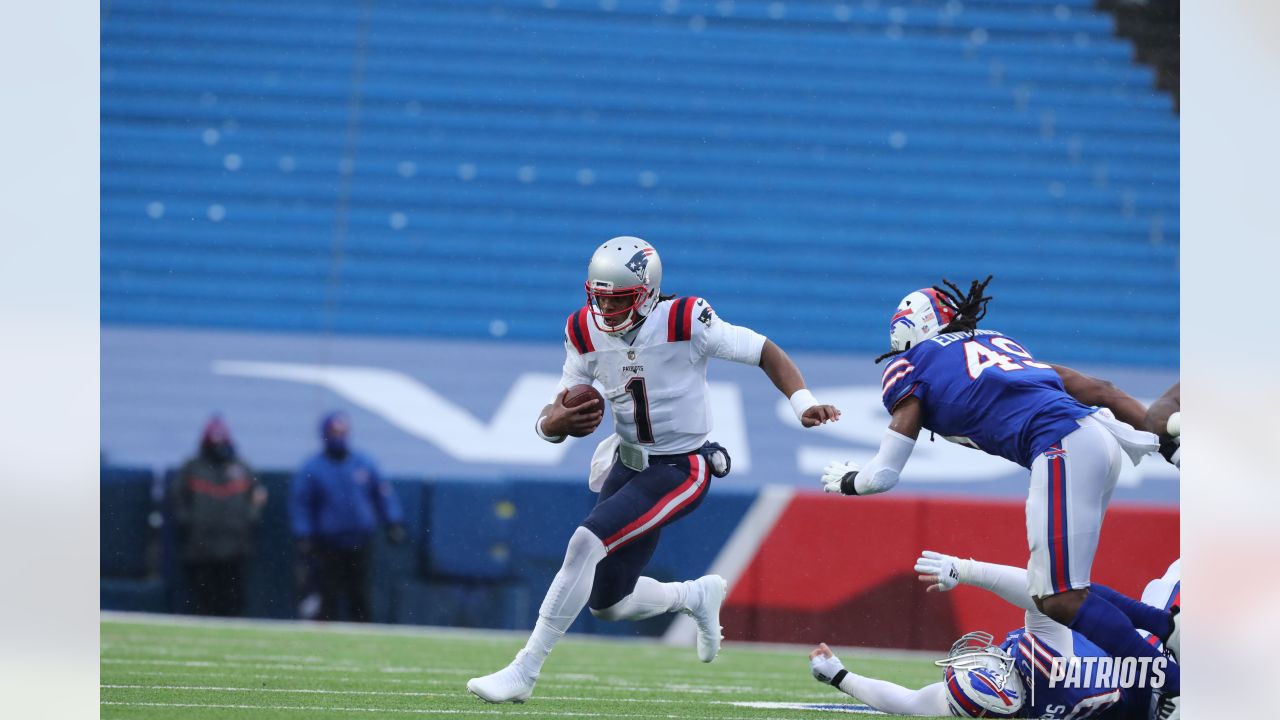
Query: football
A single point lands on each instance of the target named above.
(579, 394)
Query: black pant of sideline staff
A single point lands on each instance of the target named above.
(344, 572)
(215, 587)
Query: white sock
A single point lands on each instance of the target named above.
(565, 598)
(650, 598)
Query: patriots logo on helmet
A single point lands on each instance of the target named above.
(639, 263)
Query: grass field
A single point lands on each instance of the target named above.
(156, 668)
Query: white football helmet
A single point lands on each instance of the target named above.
(919, 316)
(624, 267)
(981, 679)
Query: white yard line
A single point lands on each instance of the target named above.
(309, 626)
(410, 711)
(303, 627)
(548, 684)
(387, 693)
(315, 664)
(611, 684)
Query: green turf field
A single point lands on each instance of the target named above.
(170, 668)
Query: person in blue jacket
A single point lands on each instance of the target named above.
(336, 503)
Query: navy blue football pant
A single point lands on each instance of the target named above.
(632, 510)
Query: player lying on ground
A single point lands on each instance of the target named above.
(982, 389)
(1017, 678)
(649, 353)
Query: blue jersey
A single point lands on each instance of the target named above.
(1092, 697)
(985, 391)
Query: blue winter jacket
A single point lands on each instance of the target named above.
(338, 503)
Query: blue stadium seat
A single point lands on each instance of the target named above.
(469, 529)
(820, 157)
(128, 537)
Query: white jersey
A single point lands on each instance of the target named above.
(655, 378)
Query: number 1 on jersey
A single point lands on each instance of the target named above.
(640, 398)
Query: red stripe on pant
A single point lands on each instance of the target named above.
(953, 686)
(695, 474)
(1058, 524)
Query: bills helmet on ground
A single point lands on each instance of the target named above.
(624, 267)
(981, 679)
(919, 316)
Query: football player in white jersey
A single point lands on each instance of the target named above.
(648, 353)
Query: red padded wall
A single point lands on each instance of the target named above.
(839, 570)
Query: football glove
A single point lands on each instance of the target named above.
(837, 477)
(718, 457)
(943, 567)
(827, 669)
(1171, 447)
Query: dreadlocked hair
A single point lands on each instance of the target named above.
(969, 307)
(890, 354)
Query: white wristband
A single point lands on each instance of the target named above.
(802, 400)
(537, 427)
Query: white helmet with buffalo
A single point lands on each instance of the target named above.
(981, 679)
(928, 311)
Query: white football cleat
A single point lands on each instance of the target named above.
(1174, 643)
(510, 684)
(707, 614)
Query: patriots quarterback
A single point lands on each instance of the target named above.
(648, 353)
(1025, 675)
(983, 389)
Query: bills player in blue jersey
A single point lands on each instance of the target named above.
(983, 389)
(1028, 674)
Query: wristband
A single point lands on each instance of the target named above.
(802, 400)
(537, 427)
(835, 681)
(847, 486)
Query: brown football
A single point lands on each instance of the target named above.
(579, 394)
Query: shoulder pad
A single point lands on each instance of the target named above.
(578, 330)
(684, 311)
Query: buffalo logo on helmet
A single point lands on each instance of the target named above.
(901, 318)
(639, 263)
(989, 684)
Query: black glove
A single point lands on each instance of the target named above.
(396, 534)
(718, 458)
